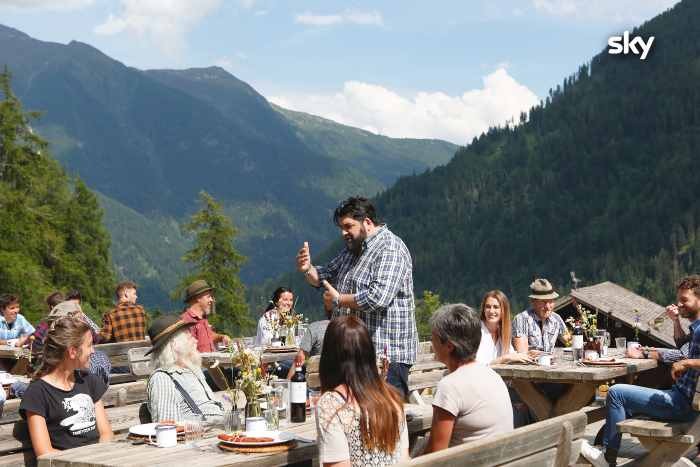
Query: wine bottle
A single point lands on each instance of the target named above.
(297, 396)
(577, 342)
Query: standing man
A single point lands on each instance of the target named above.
(199, 300)
(372, 277)
(127, 321)
(13, 326)
(538, 327)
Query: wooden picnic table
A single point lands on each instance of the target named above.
(206, 452)
(582, 381)
(14, 359)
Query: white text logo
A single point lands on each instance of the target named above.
(623, 45)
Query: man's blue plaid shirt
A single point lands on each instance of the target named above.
(687, 381)
(381, 280)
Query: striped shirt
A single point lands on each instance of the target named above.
(165, 402)
(687, 381)
(125, 323)
(381, 280)
(19, 327)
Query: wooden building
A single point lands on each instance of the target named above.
(615, 306)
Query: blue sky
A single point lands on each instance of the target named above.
(445, 69)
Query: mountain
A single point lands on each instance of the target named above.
(600, 179)
(149, 141)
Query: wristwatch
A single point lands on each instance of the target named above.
(645, 353)
(336, 301)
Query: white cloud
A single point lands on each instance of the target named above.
(424, 115)
(46, 4)
(165, 22)
(226, 63)
(607, 10)
(364, 18)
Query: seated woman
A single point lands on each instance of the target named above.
(177, 389)
(496, 346)
(62, 404)
(472, 401)
(360, 419)
(281, 302)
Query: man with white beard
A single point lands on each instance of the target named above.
(177, 389)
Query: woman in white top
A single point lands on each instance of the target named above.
(282, 301)
(496, 346)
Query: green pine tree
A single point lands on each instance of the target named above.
(215, 259)
(51, 235)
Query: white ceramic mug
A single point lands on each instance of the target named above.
(166, 436)
(590, 355)
(544, 360)
(632, 345)
(255, 424)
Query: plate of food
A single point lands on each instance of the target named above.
(255, 438)
(604, 361)
(149, 429)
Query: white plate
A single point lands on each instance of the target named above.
(568, 349)
(147, 429)
(279, 437)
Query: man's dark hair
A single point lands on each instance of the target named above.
(123, 286)
(691, 283)
(7, 300)
(74, 295)
(357, 208)
(54, 299)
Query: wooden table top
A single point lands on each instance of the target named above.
(10, 351)
(565, 370)
(206, 453)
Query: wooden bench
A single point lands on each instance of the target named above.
(667, 442)
(118, 354)
(554, 442)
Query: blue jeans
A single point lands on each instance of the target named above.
(397, 376)
(626, 400)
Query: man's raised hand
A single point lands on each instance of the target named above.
(304, 258)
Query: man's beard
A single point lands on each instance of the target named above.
(355, 244)
(191, 360)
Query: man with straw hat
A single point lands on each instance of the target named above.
(538, 327)
(177, 389)
(200, 304)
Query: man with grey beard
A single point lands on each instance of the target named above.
(177, 389)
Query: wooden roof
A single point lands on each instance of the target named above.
(619, 303)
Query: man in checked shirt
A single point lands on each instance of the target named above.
(127, 321)
(675, 404)
(372, 277)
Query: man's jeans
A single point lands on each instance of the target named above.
(397, 376)
(626, 400)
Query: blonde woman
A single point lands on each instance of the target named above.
(62, 405)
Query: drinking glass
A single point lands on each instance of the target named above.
(621, 343)
(272, 419)
(313, 398)
(301, 330)
(234, 420)
(193, 430)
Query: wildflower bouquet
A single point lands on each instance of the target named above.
(588, 320)
(637, 318)
(252, 379)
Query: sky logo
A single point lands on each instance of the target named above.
(623, 45)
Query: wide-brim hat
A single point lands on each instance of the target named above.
(541, 289)
(163, 329)
(197, 288)
(66, 308)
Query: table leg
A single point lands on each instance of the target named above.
(534, 399)
(575, 398)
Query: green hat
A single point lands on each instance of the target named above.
(197, 288)
(162, 329)
(542, 290)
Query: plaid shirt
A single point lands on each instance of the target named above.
(19, 327)
(125, 323)
(381, 280)
(527, 324)
(687, 381)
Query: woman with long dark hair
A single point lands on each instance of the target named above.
(62, 405)
(281, 302)
(360, 419)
